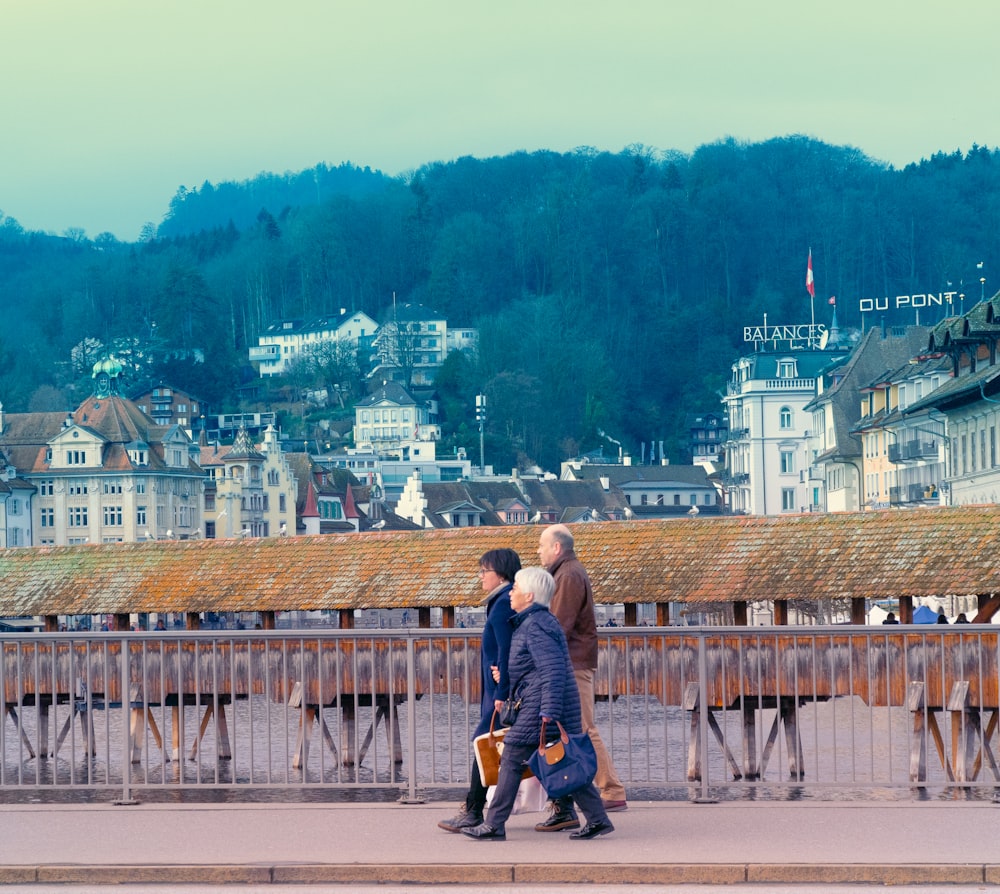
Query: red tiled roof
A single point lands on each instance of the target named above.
(885, 554)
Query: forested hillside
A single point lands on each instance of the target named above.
(610, 289)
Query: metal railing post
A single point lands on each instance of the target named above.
(126, 798)
(704, 797)
(411, 722)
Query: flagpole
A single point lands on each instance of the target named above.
(811, 289)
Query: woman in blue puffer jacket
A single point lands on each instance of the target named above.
(541, 676)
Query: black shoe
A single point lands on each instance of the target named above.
(465, 819)
(592, 830)
(484, 832)
(559, 820)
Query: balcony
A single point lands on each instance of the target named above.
(913, 451)
(921, 449)
(264, 353)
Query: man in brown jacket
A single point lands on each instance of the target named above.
(573, 606)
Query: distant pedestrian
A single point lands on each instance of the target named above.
(961, 619)
(890, 618)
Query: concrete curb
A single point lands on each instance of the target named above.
(510, 873)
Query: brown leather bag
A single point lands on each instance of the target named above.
(488, 748)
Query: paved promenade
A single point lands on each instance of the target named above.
(655, 843)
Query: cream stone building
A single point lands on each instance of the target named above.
(105, 473)
(250, 491)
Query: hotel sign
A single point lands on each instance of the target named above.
(802, 335)
(902, 302)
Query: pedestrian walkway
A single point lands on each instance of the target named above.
(934, 842)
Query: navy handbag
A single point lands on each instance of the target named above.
(565, 765)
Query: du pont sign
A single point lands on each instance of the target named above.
(904, 302)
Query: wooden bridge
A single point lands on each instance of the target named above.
(739, 561)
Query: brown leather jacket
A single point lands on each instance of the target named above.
(573, 605)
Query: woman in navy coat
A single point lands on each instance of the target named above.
(496, 571)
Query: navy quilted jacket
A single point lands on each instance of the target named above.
(495, 649)
(541, 676)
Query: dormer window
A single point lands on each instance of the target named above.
(786, 369)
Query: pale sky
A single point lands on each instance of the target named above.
(108, 106)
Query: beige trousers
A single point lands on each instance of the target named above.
(606, 780)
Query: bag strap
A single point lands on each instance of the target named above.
(563, 735)
(493, 720)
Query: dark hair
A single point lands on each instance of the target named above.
(505, 562)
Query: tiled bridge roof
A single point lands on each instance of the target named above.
(875, 554)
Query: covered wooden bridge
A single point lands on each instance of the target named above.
(737, 561)
(885, 555)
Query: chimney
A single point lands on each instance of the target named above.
(626, 460)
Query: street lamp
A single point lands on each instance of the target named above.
(481, 419)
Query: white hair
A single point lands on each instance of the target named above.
(538, 582)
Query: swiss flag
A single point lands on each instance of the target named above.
(810, 286)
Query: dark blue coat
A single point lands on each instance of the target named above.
(541, 675)
(495, 651)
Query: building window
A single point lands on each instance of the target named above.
(113, 516)
(282, 503)
(78, 517)
(786, 369)
(788, 499)
(140, 516)
(46, 487)
(48, 518)
(76, 457)
(785, 418)
(787, 462)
